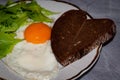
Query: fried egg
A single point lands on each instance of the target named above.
(33, 57)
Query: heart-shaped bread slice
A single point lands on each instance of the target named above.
(73, 35)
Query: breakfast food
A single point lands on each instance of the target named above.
(76, 35)
(28, 46)
(37, 33)
(25, 40)
(33, 57)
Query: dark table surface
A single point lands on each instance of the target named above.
(108, 65)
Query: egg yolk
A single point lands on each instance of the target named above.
(37, 33)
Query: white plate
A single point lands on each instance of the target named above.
(72, 71)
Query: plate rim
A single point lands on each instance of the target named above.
(98, 49)
(75, 7)
(90, 65)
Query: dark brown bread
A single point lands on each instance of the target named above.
(73, 36)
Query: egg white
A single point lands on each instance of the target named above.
(32, 61)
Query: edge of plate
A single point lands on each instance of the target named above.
(89, 66)
(87, 14)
